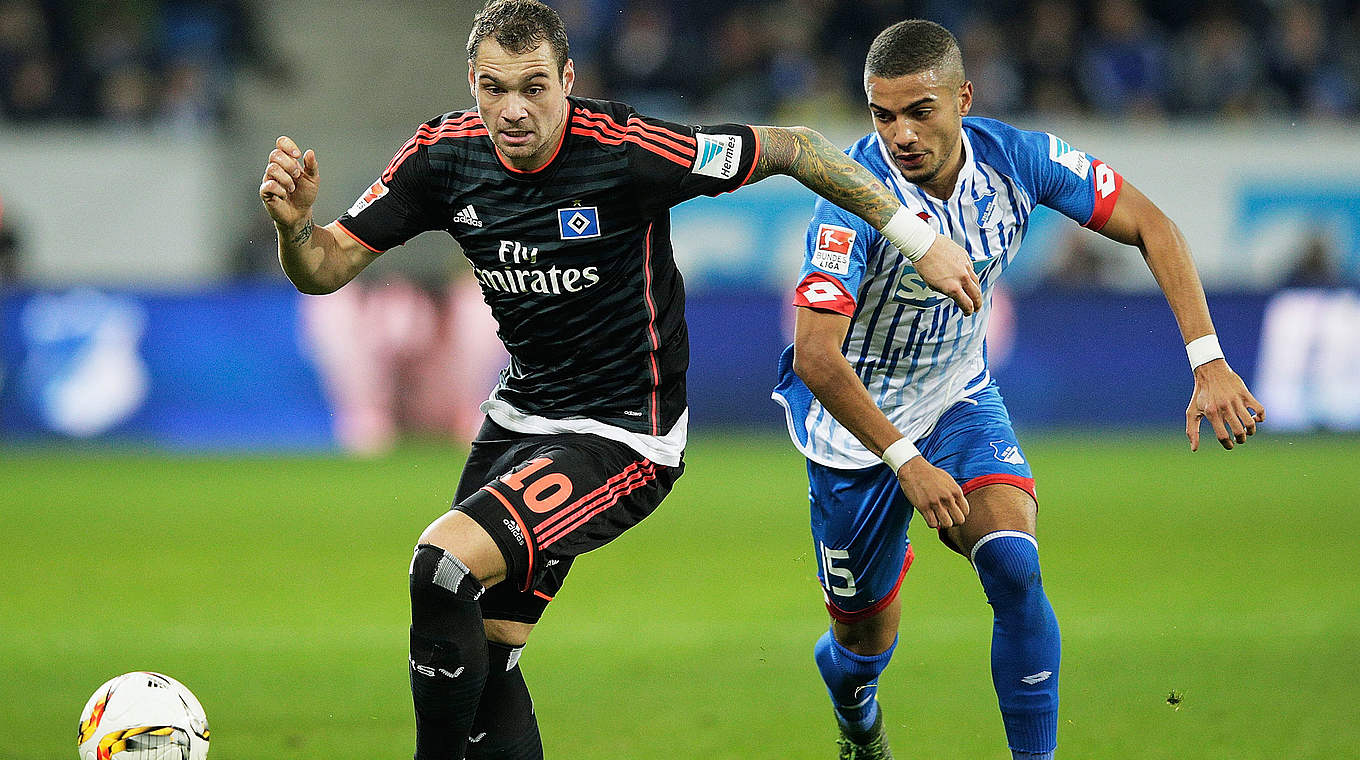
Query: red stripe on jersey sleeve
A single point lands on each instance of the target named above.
(823, 292)
(468, 125)
(682, 144)
(594, 132)
(1108, 183)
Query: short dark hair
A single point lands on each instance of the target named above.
(910, 47)
(520, 26)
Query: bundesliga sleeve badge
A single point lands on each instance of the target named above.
(373, 193)
(833, 248)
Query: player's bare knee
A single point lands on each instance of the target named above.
(871, 635)
(511, 633)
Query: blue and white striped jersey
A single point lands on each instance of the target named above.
(911, 347)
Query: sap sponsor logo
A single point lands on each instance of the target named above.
(373, 193)
(578, 222)
(467, 216)
(717, 155)
(833, 248)
(1007, 452)
(513, 527)
(1061, 153)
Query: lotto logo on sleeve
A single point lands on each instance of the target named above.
(717, 155)
(833, 248)
(373, 193)
(824, 292)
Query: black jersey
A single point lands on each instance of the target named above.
(574, 258)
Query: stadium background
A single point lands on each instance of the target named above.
(193, 478)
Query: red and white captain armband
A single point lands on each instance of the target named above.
(1203, 350)
(899, 453)
(909, 233)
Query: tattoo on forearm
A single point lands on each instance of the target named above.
(814, 161)
(303, 234)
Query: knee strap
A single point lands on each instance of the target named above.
(433, 568)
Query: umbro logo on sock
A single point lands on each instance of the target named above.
(468, 216)
(1039, 677)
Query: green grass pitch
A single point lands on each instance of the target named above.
(275, 587)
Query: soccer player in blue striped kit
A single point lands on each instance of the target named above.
(884, 370)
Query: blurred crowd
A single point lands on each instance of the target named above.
(140, 62)
(134, 63)
(1292, 59)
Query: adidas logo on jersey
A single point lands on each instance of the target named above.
(468, 216)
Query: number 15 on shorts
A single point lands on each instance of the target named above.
(829, 570)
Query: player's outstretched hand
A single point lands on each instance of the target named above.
(933, 492)
(1221, 397)
(947, 269)
(290, 182)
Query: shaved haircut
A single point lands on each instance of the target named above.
(913, 46)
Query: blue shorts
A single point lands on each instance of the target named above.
(860, 517)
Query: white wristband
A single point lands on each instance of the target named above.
(1203, 350)
(912, 236)
(899, 453)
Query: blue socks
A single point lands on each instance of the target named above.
(1026, 646)
(852, 681)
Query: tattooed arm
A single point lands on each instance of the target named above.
(811, 159)
(317, 260)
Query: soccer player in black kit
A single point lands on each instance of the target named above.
(562, 206)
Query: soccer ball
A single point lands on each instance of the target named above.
(143, 716)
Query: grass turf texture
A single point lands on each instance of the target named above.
(276, 589)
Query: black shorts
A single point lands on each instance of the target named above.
(547, 498)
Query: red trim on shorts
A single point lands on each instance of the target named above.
(1024, 484)
(542, 596)
(633, 477)
(524, 531)
(651, 331)
(855, 617)
(345, 230)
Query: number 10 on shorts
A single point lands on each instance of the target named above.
(830, 570)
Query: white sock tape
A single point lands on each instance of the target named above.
(912, 236)
(1203, 350)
